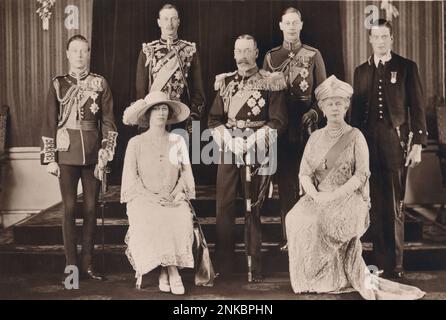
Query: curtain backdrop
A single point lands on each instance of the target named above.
(417, 36)
(121, 26)
(29, 58)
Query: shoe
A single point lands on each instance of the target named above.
(257, 278)
(395, 274)
(138, 282)
(176, 285)
(164, 285)
(90, 274)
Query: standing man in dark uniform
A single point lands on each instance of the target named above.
(78, 139)
(251, 102)
(388, 106)
(172, 66)
(304, 70)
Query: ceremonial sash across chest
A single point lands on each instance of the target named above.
(170, 65)
(238, 101)
(167, 67)
(329, 161)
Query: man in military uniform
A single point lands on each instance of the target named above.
(304, 70)
(173, 66)
(249, 102)
(78, 139)
(388, 106)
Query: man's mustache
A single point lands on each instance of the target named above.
(242, 61)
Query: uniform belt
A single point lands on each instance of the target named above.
(83, 125)
(300, 98)
(241, 124)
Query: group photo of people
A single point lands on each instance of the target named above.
(317, 152)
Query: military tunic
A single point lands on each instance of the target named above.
(77, 121)
(304, 70)
(252, 102)
(174, 69)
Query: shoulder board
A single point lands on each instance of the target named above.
(307, 51)
(306, 46)
(219, 83)
(58, 77)
(274, 49)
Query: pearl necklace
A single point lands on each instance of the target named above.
(335, 133)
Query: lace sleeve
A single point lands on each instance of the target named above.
(131, 184)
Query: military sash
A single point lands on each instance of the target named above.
(237, 102)
(170, 65)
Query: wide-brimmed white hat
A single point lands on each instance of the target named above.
(134, 114)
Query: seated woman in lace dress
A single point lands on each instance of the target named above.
(324, 228)
(157, 183)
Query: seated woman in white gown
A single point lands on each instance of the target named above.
(157, 183)
(324, 228)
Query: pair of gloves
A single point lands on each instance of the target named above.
(104, 156)
(262, 138)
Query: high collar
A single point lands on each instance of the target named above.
(249, 72)
(291, 45)
(79, 75)
(386, 58)
(174, 41)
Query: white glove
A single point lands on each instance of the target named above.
(53, 168)
(237, 146)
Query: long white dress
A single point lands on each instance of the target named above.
(325, 252)
(158, 234)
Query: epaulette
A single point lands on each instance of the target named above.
(189, 43)
(306, 46)
(219, 83)
(148, 49)
(190, 48)
(270, 81)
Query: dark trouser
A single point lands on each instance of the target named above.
(69, 178)
(229, 177)
(289, 155)
(386, 183)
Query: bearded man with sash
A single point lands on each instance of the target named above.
(247, 114)
(78, 139)
(172, 66)
(304, 70)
